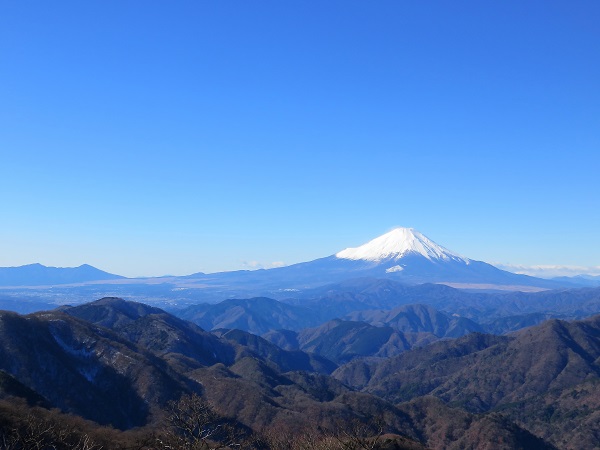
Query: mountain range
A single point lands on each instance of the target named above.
(119, 363)
(39, 275)
(547, 374)
(402, 255)
(387, 302)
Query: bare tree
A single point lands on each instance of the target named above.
(192, 424)
(357, 435)
(8, 441)
(36, 432)
(346, 435)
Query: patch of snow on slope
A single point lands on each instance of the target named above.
(80, 352)
(89, 373)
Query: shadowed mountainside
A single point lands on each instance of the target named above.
(124, 376)
(85, 369)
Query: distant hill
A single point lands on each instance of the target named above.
(580, 280)
(316, 329)
(287, 360)
(501, 311)
(374, 333)
(256, 315)
(40, 275)
(418, 319)
(376, 316)
(343, 340)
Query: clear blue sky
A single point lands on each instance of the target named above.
(153, 137)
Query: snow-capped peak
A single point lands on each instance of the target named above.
(398, 243)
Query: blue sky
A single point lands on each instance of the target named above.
(150, 138)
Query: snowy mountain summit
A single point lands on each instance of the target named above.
(397, 244)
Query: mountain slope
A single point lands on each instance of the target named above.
(286, 360)
(497, 370)
(545, 378)
(161, 333)
(342, 341)
(446, 428)
(84, 369)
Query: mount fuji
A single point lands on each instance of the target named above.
(397, 244)
(402, 254)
